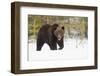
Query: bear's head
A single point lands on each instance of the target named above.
(59, 32)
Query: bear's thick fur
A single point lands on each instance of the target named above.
(52, 35)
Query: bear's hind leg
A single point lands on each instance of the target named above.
(39, 45)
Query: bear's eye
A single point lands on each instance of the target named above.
(63, 27)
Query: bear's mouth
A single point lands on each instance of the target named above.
(59, 37)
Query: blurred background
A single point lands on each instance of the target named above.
(75, 27)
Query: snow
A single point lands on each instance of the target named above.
(73, 49)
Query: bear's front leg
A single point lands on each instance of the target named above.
(61, 44)
(53, 46)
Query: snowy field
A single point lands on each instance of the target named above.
(73, 49)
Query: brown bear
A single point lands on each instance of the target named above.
(52, 35)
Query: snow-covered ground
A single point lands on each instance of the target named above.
(73, 49)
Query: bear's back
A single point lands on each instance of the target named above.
(44, 28)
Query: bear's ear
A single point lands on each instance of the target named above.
(54, 26)
(63, 27)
